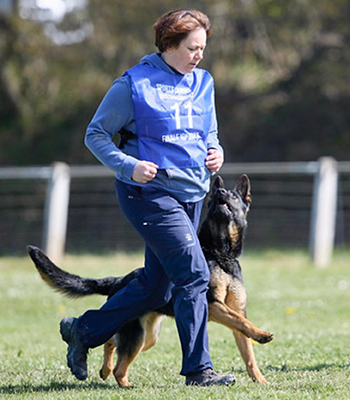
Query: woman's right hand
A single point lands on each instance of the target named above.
(144, 171)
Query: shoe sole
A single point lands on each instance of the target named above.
(223, 381)
(65, 332)
(206, 384)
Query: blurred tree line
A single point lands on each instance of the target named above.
(281, 69)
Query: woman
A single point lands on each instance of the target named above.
(162, 177)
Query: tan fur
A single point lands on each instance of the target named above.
(233, 232)
(245, 347)
(228, 309)
(151, 324)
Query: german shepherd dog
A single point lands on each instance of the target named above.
(221, 237)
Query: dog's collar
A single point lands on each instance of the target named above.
(230, 265)
(218, 255)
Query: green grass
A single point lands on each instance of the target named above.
(308, 310)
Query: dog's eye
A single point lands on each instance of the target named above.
(234, 196)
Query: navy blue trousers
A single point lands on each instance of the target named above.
(174, 267)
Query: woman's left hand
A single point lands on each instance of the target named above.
(214, 160)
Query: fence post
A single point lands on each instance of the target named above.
(323, 214)
(56, 211)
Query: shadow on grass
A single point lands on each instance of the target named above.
(54, 387)
(317, 367)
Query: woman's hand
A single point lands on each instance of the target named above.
(144, 171)
(214, 160)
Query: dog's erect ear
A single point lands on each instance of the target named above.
(243, 188)
(218, 183)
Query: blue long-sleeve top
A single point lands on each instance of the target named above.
(116, 112)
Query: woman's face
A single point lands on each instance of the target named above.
(189, 53)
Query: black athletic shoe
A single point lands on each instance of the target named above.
(208, 377)
(77, 352)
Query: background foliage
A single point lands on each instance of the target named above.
(280, 66)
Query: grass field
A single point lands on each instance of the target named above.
(308, 310)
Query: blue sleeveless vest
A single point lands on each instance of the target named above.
(172, 115)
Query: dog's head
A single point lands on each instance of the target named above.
(224, 226)
(230, 205)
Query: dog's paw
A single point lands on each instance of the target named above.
(104, 373)
(123, 383)
(256, 375)
(259, 378)
(263, 337)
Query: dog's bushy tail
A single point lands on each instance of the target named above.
(73, 285)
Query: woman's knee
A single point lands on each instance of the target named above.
(161, 296)
(196, 281)
(189, 268)
(157, 287)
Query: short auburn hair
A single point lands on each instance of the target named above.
(174, 26)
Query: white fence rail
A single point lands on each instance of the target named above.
(322, 224)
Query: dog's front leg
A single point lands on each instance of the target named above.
(245, 347)
(222, 314)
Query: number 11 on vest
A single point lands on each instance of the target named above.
(188, 107)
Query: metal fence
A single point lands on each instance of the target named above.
(282, 213)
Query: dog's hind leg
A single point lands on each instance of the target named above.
(121, 370)
(245, 347)
(152, 323)
(108, 365)
(130, 341)
(137, 336)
